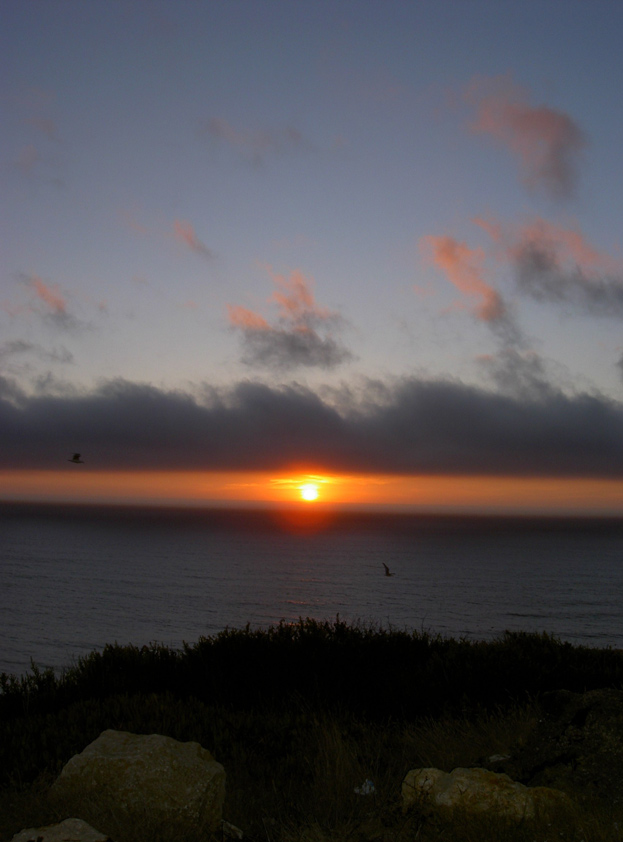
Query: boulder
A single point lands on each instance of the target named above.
(123, 779)
(479, 791)
(71, 830)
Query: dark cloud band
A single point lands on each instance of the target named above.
(414, 426)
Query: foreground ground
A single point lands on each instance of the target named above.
(301, 716)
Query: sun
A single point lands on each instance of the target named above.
(309, 491)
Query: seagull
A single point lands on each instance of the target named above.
(76, 459)
(387, 573)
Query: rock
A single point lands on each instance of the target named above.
(478, 791)
(153, 781)
(71, 830)
(498, 758)
(576, 746)
(230, 830)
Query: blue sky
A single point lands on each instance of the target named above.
(365, 207)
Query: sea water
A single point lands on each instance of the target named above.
(75, 579)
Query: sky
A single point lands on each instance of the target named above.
(372, 246)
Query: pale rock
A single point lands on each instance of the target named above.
(478, 791)
(150, 780)
(71, 830)
(231, 831)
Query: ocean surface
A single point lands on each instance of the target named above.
(75, 578)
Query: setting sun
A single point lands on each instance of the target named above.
(309, 491)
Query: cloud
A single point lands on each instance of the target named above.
(246, 319)
(49, 303)
(302, 334)
(550, 263)
(548, 143)
(15, 347)
(130, 222)
(464, 268)
(57, 355)
(256, 145)
(35, 107)
(49, 295)
(185, 233)
(54, 304)
(519, 373)
(289, 349)
(411, 426)
(559, 265)
(18, 347)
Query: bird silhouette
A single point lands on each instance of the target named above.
(76, 459)
(387, 573)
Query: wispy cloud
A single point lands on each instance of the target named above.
(185, 233)
(51, 296)
(50, 303)
(464, 267)
(15, 347)
(256, 144)
(129, 220)
(245, 319)
(18, 347)
(301, 335)
(518, 372)
(559, 265)
(35, 107)
(548, 143)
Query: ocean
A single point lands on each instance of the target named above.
(73, 579)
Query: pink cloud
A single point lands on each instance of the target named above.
(464, 267)
(302, 333)
(295, 298)
(553, 263)
(566, 246)
(246, 319)
(52, 304)
(185, 233)
(47, 302)
(49, 295)
(547, 142)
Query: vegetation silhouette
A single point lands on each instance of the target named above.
(300, 715)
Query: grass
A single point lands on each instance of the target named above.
(300, 716)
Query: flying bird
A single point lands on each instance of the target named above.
(76, 459)
(387, 573)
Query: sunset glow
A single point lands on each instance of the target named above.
(309, 492)
(463, 494)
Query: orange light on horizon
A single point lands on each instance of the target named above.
(461, 494)
(305, 487)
